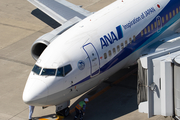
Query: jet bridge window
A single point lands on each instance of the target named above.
(36, 69)
(48, 72)
(61, 72)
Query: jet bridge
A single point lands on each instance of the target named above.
(159, 83)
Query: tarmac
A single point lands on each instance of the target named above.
(20, 25)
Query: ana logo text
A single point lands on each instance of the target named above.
(111, 37)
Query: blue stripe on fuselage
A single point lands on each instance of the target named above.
(141, 41)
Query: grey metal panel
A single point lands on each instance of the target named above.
(177, 90)
(147, 63)
(60, 10)
(142, 84)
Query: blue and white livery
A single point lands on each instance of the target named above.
(85, 51)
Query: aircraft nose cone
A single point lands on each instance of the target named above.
(35, 92)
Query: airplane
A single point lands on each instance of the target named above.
(90, 47)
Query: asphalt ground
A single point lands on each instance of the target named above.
(20, 25)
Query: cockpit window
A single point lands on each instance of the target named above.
(48, 72)
(61, 72)
(67, 69)
(36, 69)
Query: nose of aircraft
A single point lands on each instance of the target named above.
(35, 92)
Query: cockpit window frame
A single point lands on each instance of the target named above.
(48, 72)
(34, 70)
(61, 74)
(67, 70)
(63, 68)
(52, 71)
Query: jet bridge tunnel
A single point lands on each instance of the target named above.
(159, 83)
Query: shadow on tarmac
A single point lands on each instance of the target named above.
(119, 100)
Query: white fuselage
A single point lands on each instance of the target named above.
(97, 47)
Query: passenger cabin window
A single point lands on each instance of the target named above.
(177, 10)
(105, 55)
(145, 31)
(155, 25)
(36, 69)
(159, 23)
(122, 45)
(130, 40)
(170, 15)
(142, 33)
(173, 12)
(152, 26)
(118, 48)
(148, 29)
(126, 43)
(109, 52)
(134, 38)
(162, 19)
(166, 17)
(48, 72)
(114, 51)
